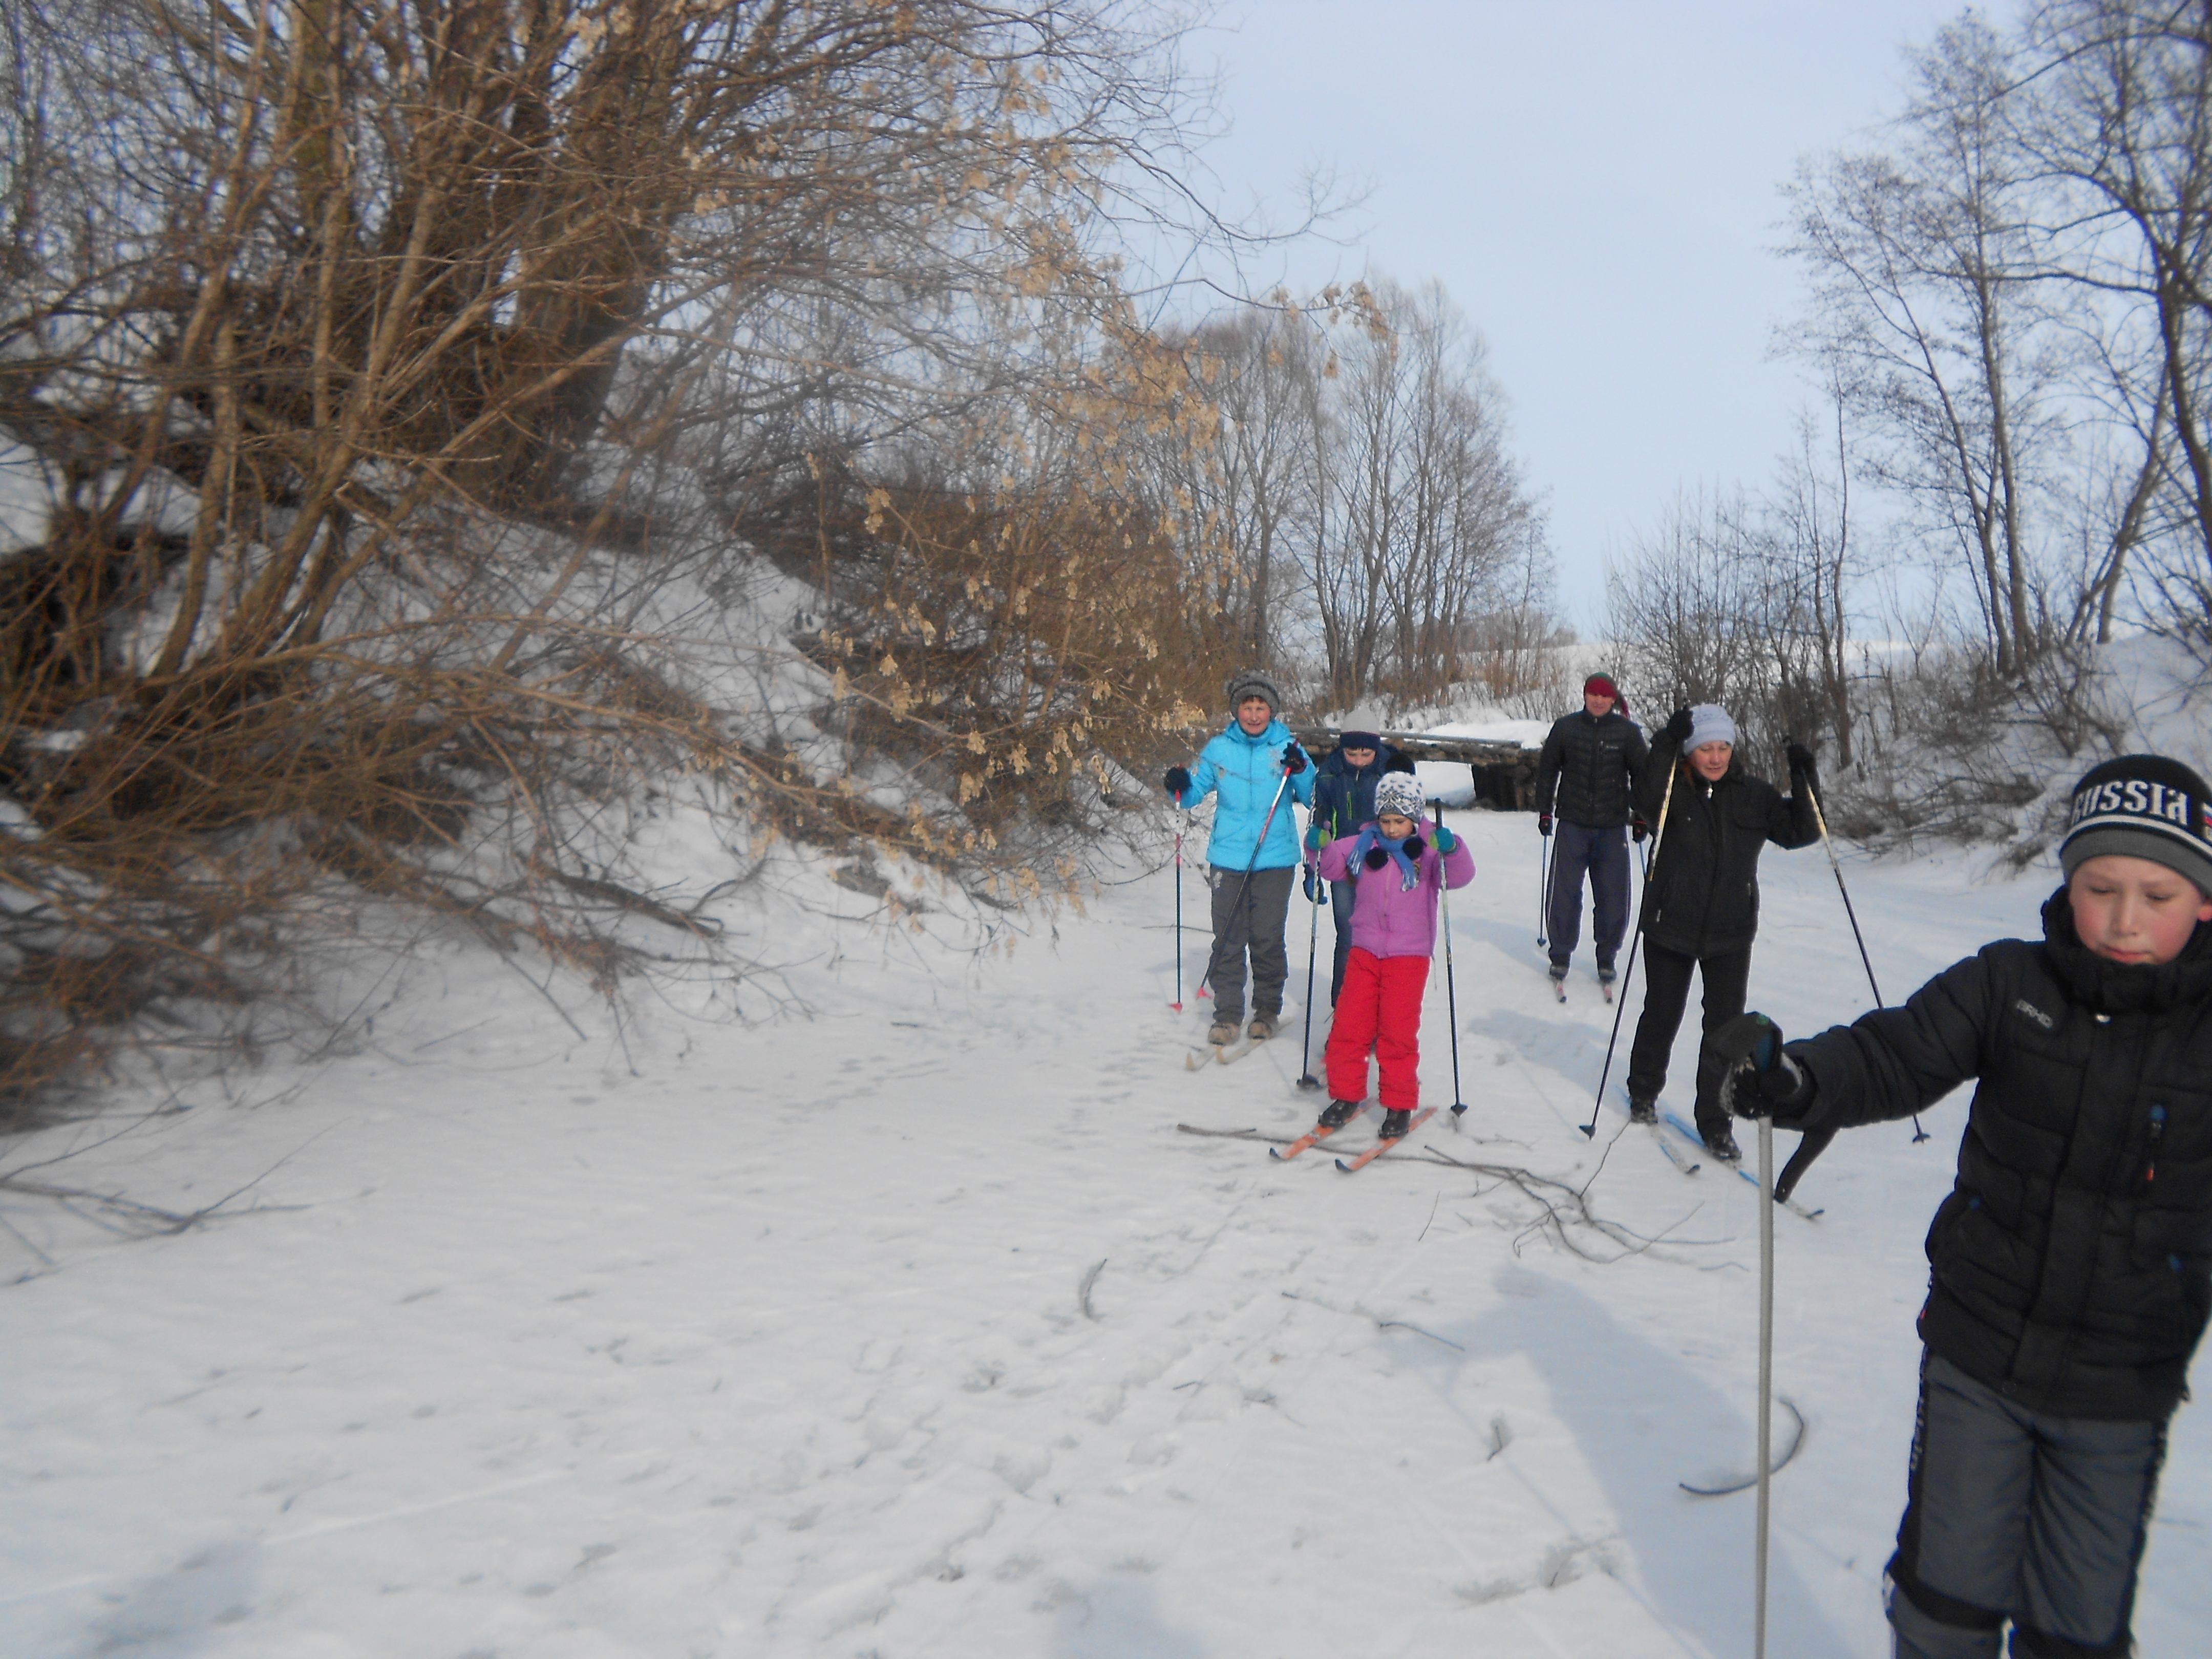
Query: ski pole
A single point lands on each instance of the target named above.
(1451, 997)
(1177, 1004)
(1543, 891)
(1546, 872)
(1643, 904)
(1765, 1372)
(1835, 864)
(1306, 1078)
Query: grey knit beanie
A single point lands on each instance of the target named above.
(1255, 683)
(1362, 728)
(1709, 723)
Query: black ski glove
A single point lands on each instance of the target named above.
(1802, 762)
(1543, 824)
(1676, 731)
(1761, 1080)
(1294, 759)
(1638, 829)
(1315, 891)
(1178, 781)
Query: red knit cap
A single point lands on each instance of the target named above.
(1602, 684)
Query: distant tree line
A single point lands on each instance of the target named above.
(1359, 505)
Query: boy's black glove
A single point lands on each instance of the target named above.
(1178, 781)
(1637, 828)
(1543, 824)
(1761, 1081)
(1400, 761)
(1294, 759)
(1676, 731)
(1313, 884)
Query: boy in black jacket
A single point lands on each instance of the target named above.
(2072, 1263)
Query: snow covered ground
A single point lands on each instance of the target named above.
(918, 1328)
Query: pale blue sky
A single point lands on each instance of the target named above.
(1595, 182)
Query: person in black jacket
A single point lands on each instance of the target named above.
(1701, 899)
(1343, 801)
(1585, 774)
(2071, 1265)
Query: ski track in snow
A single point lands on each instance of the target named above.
(780, 1346)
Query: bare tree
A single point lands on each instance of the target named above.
(2120, 121)
(1811, 548)
(1432, 523)
(1924, 303)
(415, 385)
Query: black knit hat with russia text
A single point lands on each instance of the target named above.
(2142, 806)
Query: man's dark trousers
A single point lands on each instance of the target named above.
(2019, 1515)
(1248, 916)
(1666, 990)
(1577, 848)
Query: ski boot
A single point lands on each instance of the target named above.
(1395, 1125)
(1722, 1145)
(1643, 1112)
(1261, 1028)
(1221, 1033)
(1340, 1112)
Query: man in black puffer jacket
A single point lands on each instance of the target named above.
(1585, 776)
(2071, 1266)
(1701, 899)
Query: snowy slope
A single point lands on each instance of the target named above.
(780, 1345)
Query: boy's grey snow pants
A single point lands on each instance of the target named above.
(2018, 1515)
(1249, 917)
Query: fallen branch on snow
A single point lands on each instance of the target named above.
(1751, 1480)
(1380, 1324)
(1563, 1209)
(1084, 1295)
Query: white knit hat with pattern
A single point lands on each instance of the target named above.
(1399, 793)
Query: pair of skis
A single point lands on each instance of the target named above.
(1202, 1054)
(1318, 1134)
(1688, 1132)
(1199, 1055)
(1604, 990)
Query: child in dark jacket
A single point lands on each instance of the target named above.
(1398, 878)
(1344, 801)
(2071, 1266)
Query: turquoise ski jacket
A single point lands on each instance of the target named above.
(1244, 774)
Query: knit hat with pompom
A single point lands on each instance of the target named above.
(1399, 793)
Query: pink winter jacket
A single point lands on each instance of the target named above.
(1387, 920)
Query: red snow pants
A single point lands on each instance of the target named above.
(1379, 1010)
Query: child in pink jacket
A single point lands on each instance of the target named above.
(1397, 881)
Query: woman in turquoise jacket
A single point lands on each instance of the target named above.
(1254, 770)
